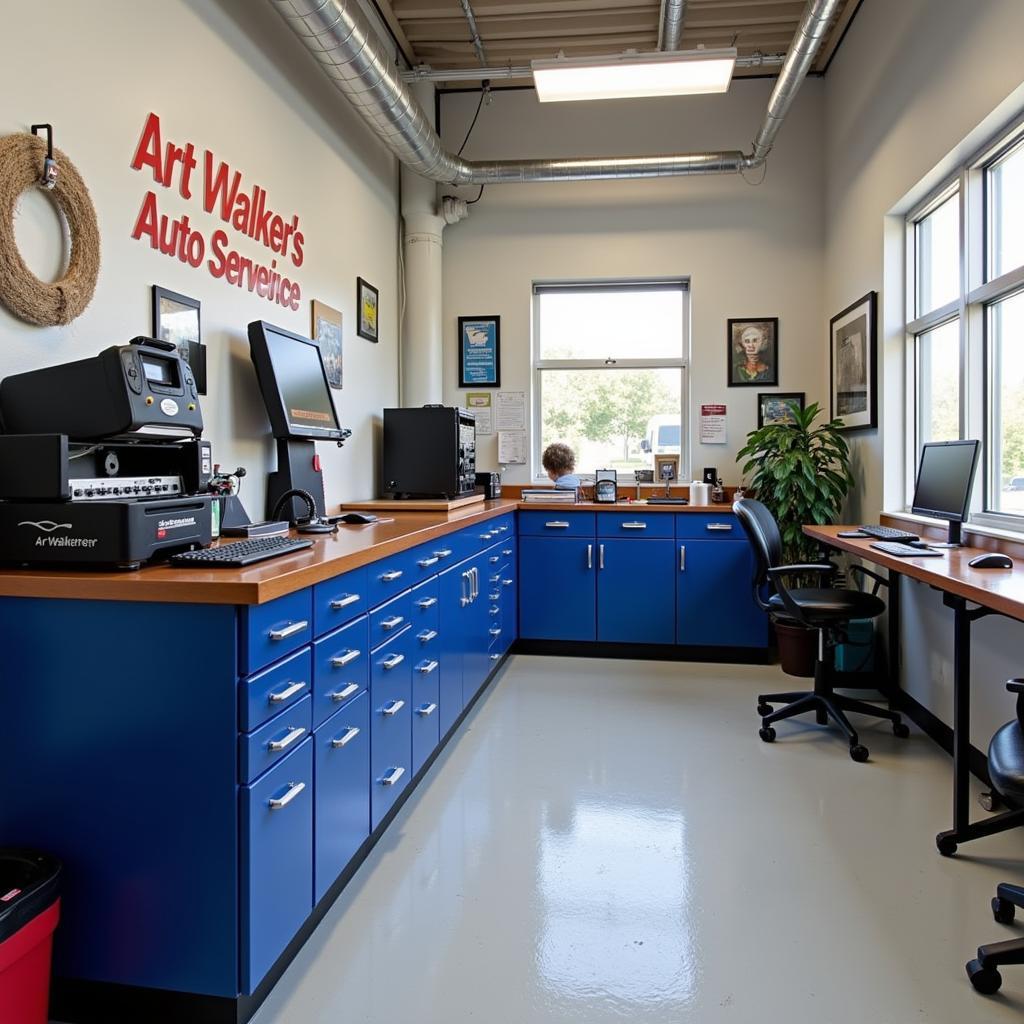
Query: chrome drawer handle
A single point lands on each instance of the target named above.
(393, 662)
(293, 734)
(495, 610)
(558, 524)
(682, 558)
(507, 583)
(393, 707)
(496, 596)
(496, 631)
(394, 574)
(719, 526)
(495, 657)
(343, 602)
(290, 630)
(426, 602)
(395, 620)
(288, 691)
(496, 577)
(426, 563)
(506, 551)
(346, 738)
(294, 789)
(493, 559)
(503, 529)
(347, 692)
(426, 667)
(634, 526)
(341, 660)
(443, 553)
(392, 777)
(427, 710)
(426, 636)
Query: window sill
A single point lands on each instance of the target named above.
(969, 528)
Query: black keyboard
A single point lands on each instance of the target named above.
(668, 501)
(240, 553)
(905, 550)
(887, 533)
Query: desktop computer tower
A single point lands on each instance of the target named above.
(429, 452)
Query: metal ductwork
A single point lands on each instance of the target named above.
(672, 14)
(356, 59)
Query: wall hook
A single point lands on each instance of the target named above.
(49, 178)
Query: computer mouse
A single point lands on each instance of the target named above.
(993, 561)
(358, 518)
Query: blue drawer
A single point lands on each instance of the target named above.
(426, 560)
(426, 717)
(258, 750)
(390, 619)
(277, 861)
(272, 630)
(339, 600)
(390, 724)
(708, 526)
(342, 804)
(492, 530)
(389, 576)
(274, 690)
(452, 548)
(557, 524)
(341, 668)
(425, 606)
(635, 524)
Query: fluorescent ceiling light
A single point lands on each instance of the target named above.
(671, 73)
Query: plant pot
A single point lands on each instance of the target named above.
(797, 649)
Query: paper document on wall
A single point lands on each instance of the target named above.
(713, 425)
(479, 402)
(511, 411)
(512, 447)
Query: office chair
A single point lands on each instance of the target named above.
(1006, 770)
(823, 609)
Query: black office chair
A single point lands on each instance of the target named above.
(822, 608)
(1006, 770)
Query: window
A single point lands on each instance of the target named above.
(609, 372)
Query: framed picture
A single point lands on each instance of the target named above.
(367, 302)
(853, 373)
(176, 319)
(776, 408)
(753, 351)
(327, 333)
(666, 468)
(479, 351)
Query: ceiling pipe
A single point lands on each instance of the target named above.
(672, 14)
(355, 58)
(478, 43)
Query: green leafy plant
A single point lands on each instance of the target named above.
(801, 472)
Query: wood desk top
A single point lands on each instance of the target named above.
(999, 589)
(620, 506)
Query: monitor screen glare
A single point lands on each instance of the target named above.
(944, 479)
(299, 370)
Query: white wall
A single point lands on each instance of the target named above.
(748, 251)
(909, 85)
(228, 76)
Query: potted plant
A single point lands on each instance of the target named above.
(801, 472)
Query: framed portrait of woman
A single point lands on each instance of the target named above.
(753, 351)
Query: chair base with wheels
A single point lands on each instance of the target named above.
(983, 971)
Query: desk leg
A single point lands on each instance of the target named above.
(893, 617)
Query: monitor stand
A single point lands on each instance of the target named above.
(953, 538)
(298, 467)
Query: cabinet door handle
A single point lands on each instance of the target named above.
(600, 556)
(392, 662)
(392, 622)
(493, 559)
(557, 524)
(294, 789)
(506, 551)
(341, 660)
(727, 527)
(286, 741)
(427, 710)
(393, 574)
(463, 600)
(288, 691)
(474, 580)
(426, 563)
(590, 556)
(392, 777)
(507, 583)
(634, 526)
(426, 636)
(392, 707)
(495, 577)
(290, 630)
(426, 667)
(495, 657)
(343, 602)
(426, 602)
(495, 610)
(495, 631)
(496, 596)
(443, 553)
(346, 737)
(682, 558)
(343, 694)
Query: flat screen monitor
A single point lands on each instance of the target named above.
(290, 370)
(945, 476)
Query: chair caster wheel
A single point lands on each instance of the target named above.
(767, 733)
(900, 729)
(990, 801)
(859, 753)
(985, 980)
(946, 845)
(764, 709)
(1002, 911)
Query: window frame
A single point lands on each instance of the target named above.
(538, 366)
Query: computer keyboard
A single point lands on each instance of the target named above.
(905, 550)
(887, 533)
(239, 553)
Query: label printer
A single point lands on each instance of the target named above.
(102, 462)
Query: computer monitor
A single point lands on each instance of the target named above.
(945, 476)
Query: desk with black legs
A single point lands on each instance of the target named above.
(991, 591)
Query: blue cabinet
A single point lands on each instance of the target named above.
(426, 703)
(557, 586)
(453, 592)
(390, 723)
(636, 591)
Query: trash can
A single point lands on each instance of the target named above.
(29, 909)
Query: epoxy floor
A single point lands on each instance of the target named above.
(610, 841)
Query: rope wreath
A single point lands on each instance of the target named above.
(35, 301)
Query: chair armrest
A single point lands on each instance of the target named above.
(1015, 685)
(879, 580)
(789, 570)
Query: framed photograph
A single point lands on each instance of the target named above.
(666, 468)
(853, 373)
(176, 319)
(753, 351)
(327, 333)
(776, 408)
(479, 351)
(367, 302)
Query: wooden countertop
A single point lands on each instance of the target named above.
(999, 589)
(620, 506)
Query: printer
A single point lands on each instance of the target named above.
(102, 462)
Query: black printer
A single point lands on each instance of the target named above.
(102, 463)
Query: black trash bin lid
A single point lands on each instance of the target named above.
(28, 885)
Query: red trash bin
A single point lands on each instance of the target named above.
(29, 910)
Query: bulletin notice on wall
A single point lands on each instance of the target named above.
(713, 425)
(511, 447)
(510, 413)
(479, 403)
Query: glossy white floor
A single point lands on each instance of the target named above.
(610, 841)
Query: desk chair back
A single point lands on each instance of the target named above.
(763, 533)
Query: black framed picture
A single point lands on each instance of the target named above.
(479, 351)
(176, 318)
(775, 408)
(368, 304)
(753, 350)
(852, 364)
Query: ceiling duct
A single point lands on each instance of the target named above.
(356, 59)
(672, 14)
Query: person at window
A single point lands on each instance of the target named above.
(749, 366)
(559, 463)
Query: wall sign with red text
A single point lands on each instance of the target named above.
(244, 208)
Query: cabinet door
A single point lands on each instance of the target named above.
(476, 640)
(715, 599)
(557, 588)
(635, 591)
(426, 703)
(391, 723)
(454, 590)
